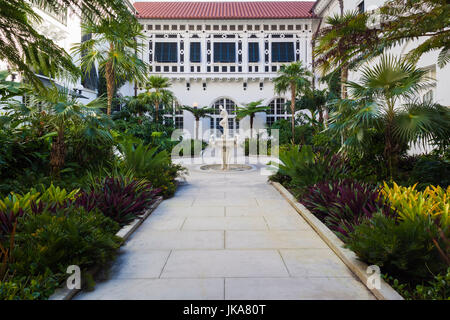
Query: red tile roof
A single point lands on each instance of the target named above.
(224, 10)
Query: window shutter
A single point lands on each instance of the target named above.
(282, 52)
(195, 52)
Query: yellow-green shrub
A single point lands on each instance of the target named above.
(409, 203)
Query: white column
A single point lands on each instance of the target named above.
(203, 52)
(245, 53)
(262, 53)
(187, 53)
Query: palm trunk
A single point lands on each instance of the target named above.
(196, 128)
(58, 153)
(293, 89)
(390, 148)
(252, 117)
(156, 110)
(109, 75)
(344, 78)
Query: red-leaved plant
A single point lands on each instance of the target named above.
(120, 199)
(343, 204)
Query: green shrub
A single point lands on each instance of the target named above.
(430, 170)
(403, 249)
(257, 142)
(436, 289)
(303, 133)
(71, 236)
(28, 288)
(305, 168)
(150, 164)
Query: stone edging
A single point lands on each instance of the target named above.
(386, 292)
(66, 294)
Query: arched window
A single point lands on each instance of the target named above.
(277, 111)
(176, 115)
(230, 106)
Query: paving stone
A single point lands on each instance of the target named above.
(162, 222)
(314, 263)
(273, 239)
(139, 264)
(157, 289)
(286, 222)
(244, 201)
(225, 223)
(295, 289)
(208, 211)
(224, 263)
(162, 240)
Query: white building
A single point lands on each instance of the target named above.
(438, 93)
(225, 53)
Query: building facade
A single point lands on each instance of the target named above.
(438, 93)
(224, 54)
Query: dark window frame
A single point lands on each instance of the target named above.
(166, 52)
(283, 52)
(195, 52)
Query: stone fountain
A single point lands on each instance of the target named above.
(224, 145)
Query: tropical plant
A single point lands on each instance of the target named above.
(344, 43)
(114, 47)
(9, 89)
(198, 114)
(118, 198)
(71, 236)
(63, 109)
(27, 50)
(157, 93)
(293, 77)
(306, 168)
(250, 110)
(430, 170)
(343, 204)
(141, 159)
(417, 19)
(373, 106)
(314, 101)
(433, 202)
(402, 249)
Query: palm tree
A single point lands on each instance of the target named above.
(293, 77)
(28, 51)
(157, 93)
(314, 101)
(198, 114)
(63, 109)
(114, 47)
(335, 48)
(373, 106)
(250, 110)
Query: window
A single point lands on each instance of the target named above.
(166, 52)
(195, 52)
(174, 116)
(230, 106)
(282, 51)
(361, 7)
(277, 111)
(253, 52)
(224, 52)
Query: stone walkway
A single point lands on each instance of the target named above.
(227, 236)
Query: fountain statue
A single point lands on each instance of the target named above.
(224, 143)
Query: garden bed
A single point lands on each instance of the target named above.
(63, 293)
(385, 292)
